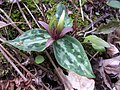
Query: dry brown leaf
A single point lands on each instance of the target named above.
(80, 82)
(112, 62)
(112, 50)
(112, 67)
(66, 83)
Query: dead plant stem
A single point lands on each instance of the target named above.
(17, 61)
(31, 15)
(23, 15)
(10, 20)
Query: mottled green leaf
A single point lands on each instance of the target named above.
(108, 28)
(31, 40)
(39, 59)
(114, 3)
(97, 43)
(68, 22)
(70, 54)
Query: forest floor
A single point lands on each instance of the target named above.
(18, 69)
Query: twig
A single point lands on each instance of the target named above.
(56, 69)
(10, 9)
(16, 61)
(10, 24)
(48, 55)
(10, 20)
(23, 15)
(31, 15)
(81, 9)
(96, 21)
(14, 66)
(94, 55)
(89, 31)
(38, 7)
(43, 12)
(74, 4)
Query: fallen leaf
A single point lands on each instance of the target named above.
(80, 82)
(112, 50)
(112, 67)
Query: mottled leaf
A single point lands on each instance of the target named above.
(108, 28)
(39, 59)
(31, 40)
(97, 43)
(68, 22)
(114, 3)
(70, 54)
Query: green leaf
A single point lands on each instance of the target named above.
(31, 40)
(68, 22)
(52, 23)
(113, 3)
(60, 24)
(39, 59)
(98, 48)
(108, 28)
(97, 43)
(70, 54)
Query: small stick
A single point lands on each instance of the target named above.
(10, 24)
(10, 20)
(96, 21)
(14, 66)
(31, 15)
(16, 61)
(81, 10)
(23, 15)
(56, 69)
(38, 7)
(10, 9)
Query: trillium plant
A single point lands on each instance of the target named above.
(68, 51)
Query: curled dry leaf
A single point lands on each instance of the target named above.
(80, 82)
(112, 67)
(112, 50)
